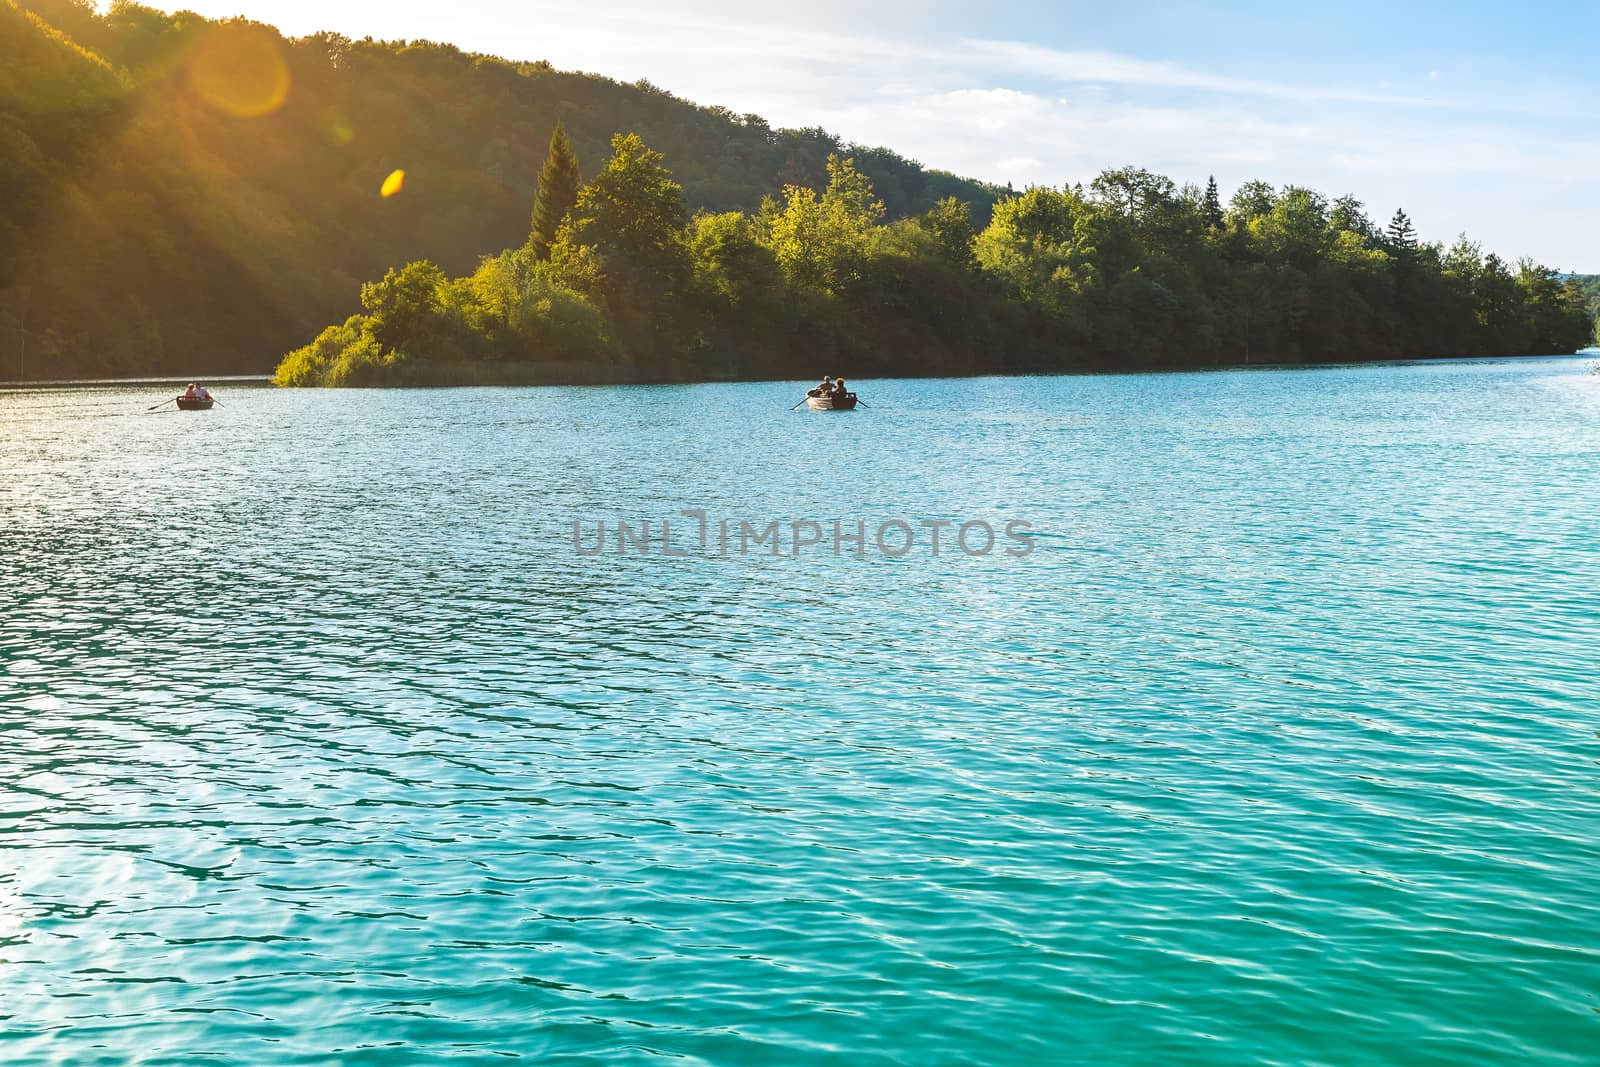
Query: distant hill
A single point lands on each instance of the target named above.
(189, 197)
(148, 226)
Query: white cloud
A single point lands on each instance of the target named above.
(1111, 69)
(1012, 112)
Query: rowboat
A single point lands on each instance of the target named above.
(189, 403)
(847, 402)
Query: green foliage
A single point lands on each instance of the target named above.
(533, 316)
(559, 181)
(249, 233)
(1402, 236)
(1211, 205)
(624, 245)
(1589, 284)
(1349, 215)
(421, 327)
(821, 243)
(1588, 290)
(1554, 310)
(1250, 201)
(732, 265)
(1129, 274)
(1135, 274)
(1043, 246)
(632, 216)
(1294, 231)
(342, 355)
(765, 252)
(949, 222)
(406, 304)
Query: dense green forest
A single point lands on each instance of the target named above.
(1590, 284)
(181, 196)
(615, 281)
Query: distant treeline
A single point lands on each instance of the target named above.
(1590, 284)
(150, 223)
(617, 282)
(181, 195)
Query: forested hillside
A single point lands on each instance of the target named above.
(184, 196)
(179, 195)
(1590, 284)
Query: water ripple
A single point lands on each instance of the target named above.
(319, 743)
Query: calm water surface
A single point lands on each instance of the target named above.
(320, 744)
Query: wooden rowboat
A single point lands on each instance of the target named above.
(186, 403)
(847, 402)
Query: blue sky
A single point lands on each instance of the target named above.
(1472, 116)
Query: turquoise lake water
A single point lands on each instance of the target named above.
(322, 742)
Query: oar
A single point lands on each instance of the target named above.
(802, 401)
(863, 403)
(214, 400)
(163, 404)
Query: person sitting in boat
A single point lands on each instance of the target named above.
(839, 389)
(200, 393)
(189, 393)
(825, 389)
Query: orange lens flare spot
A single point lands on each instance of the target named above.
(238, 70)
(393, 183)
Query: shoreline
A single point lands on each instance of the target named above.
(142, 379)
(447, 381)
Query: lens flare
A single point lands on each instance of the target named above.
(393, 183)
(237, 69)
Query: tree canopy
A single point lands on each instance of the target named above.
(182, 195)
(559, 181)
(1130, 273)
(154, 220)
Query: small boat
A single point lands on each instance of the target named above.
(847, 402)
(192, 403)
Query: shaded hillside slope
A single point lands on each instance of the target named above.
(153, 220)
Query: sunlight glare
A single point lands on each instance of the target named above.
(237, 69)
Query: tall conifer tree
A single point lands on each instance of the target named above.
(1211, 206)
(1402, 235)
(559, 181)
